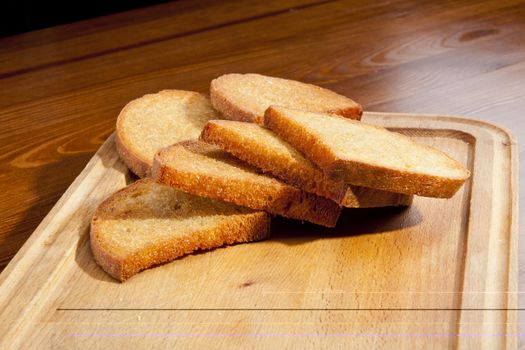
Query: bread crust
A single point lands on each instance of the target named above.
(386, 179)
(133, 161)
(359, 173)
(235, 111)
(275, 197)
(244, 227)
(350, 112)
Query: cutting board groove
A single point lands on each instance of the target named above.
(441, 274)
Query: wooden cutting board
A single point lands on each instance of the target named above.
(441, 274)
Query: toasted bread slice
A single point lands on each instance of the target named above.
(146, 224)
(245, 97)
(208, 171)
(368, 155)
(263, 149)
(154, 121)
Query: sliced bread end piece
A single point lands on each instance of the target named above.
(147, 224)
(245, 97)
(154, 121)
(205, 170)
(367, 155)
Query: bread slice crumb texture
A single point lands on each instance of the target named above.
(154, 121)
(206, 170)
(245, 97)
(367, 155)
(147, 224)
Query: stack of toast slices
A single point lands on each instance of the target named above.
(214, 170)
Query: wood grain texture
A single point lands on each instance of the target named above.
(61, 88)
(405, 278)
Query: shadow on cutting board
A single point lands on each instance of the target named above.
(352, 222)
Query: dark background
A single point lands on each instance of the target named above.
(25, 15)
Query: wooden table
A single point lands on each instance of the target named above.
(62, 88)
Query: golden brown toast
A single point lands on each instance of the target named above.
(263, 149)
(146, 224)
(154, 121)
(367, 155)
(245, 97)
(205, 170)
